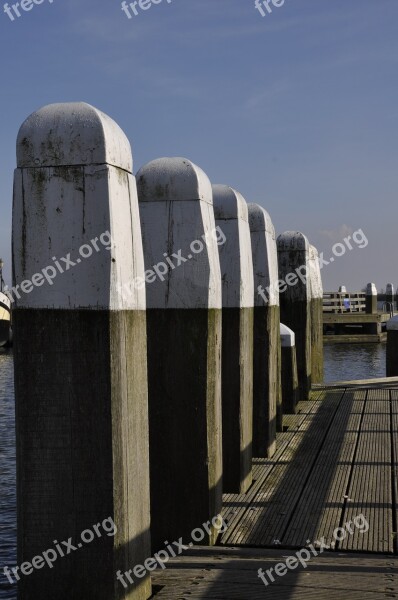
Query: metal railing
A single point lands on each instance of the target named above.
(344, 302)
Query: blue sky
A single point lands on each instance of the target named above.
(297, 110)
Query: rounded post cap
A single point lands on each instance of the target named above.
(72, 133)
(315, 273)
(292, 240)
(343, 289)
(371, 289)
(172, 179)
(288, 337)
(228, 203)
(259, 219)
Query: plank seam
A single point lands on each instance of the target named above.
(350, 477)
(313, 465)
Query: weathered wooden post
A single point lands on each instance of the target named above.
(184, 347)
(392, 348)
(371, 299)
(267, 394)
(295, 300)
(80, 359)
(231, 215)
(290, 390)
(390, 296)
(371, 308)
(316, 317)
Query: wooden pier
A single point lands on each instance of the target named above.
(350, 318)
(337, 458)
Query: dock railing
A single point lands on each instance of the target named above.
(344, 302)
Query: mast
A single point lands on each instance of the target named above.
(1, 274)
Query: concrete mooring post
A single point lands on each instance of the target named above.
(184, 348)
(80, 359)
(267, 395)
(392, 348)
(390, 296)
(231, 215)
(371, 299)
(290, 392)
(295, 300)
(316, 317)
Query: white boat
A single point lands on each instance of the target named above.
(5, 312)
(5, 319)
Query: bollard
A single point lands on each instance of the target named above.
(290, 390)
(184, 348)
(231, 215)
(267, 395)
(390, 297)
(316, 317)
(80, 358)
(371, 299)
(392, 348)
(295, 300)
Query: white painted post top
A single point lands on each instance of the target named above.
(265, 257)
(392, 324)
(173, 179)
(72, 133)
(229, 204)
(371, 289)
(293, 240)
(288, 337)
(342, 289)
(76, 227)
(236, 260)
(315, 271)
(389, 289)
(294, 265)
(179, 235)
(259, 220)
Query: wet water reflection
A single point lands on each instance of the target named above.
(354, 361)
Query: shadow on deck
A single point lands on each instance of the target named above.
(337, 460)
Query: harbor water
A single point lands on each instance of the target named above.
(8, 526)
(342, 362)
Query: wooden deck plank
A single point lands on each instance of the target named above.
(338, 459)
(235, 505)
(232, 574)
(370, 491)
(265, 519)
(285, 453)
(318, 512)
(389, 382)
